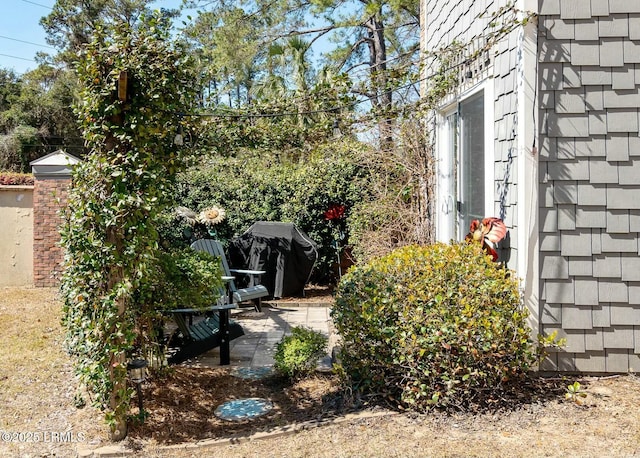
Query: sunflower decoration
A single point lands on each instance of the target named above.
(211, 216)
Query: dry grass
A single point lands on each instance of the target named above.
(37, 388)
(37, 385)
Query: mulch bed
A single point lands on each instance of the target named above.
(182, 403)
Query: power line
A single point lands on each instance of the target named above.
(27, 42)
(38, 4)
(16, 57)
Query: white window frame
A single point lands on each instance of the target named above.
(447, 183)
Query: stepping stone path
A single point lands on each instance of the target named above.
(243, 409)
(250, 408)
(252, 373)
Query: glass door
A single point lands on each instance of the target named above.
(471, 162)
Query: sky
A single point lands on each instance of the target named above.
(21, 35)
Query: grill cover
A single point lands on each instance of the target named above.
(282, 250)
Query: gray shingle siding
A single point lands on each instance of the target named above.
(624, 6)
(575, 9)
(463, 20)
(586, 293)
(614, 25)
(618, 221)
(588, 96)
(591, 217)
(591, 178)
(592, 194)
(601, 316)
(580, 266)
(599, 8)
(594, 76)
(606, 267)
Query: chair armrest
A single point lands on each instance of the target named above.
(248, 272)
(211, 308)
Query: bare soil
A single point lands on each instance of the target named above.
(311, 418)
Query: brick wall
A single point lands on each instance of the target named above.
(50, 194)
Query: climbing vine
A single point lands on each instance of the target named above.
(132, 81)
(449, 62)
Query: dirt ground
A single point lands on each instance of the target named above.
(311, 418)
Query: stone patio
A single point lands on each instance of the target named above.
(263, 330)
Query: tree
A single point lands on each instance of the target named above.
(379, 36)
(36, 116)
(9, 88)
(230, 57)
(134, 81)
(72, 23)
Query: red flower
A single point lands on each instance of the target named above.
(334, 212)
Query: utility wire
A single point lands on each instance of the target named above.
(27, 42)
(16, 57)
(38, 4)
(334, 109)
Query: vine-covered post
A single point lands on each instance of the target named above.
(135, 82)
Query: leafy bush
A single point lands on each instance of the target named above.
(432, 325)
(268, 187)
(297, 354)
(184, 278)
(17, 150)
(108, 234)
(398, 211)
(179, 278)
(13, 178)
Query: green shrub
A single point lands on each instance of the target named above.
(186, 278)
(13, 178)
(297, 354)
(268, 187)
(432, 325)
(179, 278)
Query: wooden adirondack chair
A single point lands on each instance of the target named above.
(254, 292)
(213, 330)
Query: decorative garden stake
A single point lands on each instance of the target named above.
(211, 216)
(487, 233)
(137, 370)
(335, 214)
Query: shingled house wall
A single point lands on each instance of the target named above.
(586, 124)
(589, 83)
(500, 69)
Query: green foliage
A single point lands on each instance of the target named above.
(182, 278)
(398, 210)
(550, 341)
(574, 393)
(37, 117)
(9, 88)
(297, 354)
(72, 23)
(264, 187)
(280, 119)
(431, 325)
(18, 148)
(109, 236)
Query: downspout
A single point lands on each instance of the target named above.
(528, 236)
